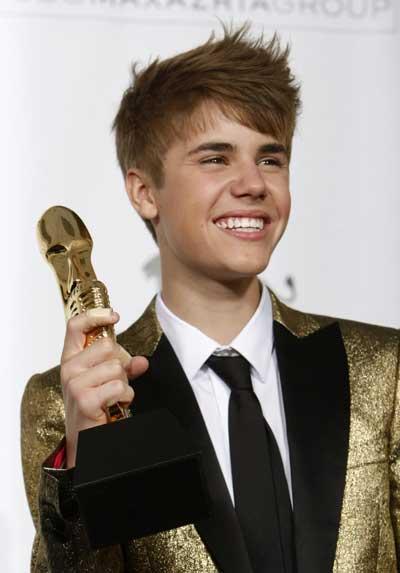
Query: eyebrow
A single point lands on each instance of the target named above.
(213, 146)
(273, 148)
(219, 146)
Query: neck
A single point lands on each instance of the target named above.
(219, 309)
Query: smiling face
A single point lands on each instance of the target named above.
(224, 203)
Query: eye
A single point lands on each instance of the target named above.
(56, 250)
(271, 162)
(214, 160)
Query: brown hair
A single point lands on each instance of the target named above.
(248, 79)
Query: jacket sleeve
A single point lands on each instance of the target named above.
(395, 458)
(60, 544)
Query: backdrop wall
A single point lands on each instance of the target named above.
(65, 64)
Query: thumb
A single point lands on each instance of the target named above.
(136, 366)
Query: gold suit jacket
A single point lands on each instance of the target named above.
(340, 386)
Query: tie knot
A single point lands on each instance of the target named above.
(234, 371)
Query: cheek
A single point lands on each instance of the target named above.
(181, 225)
(283, 203)
(287, 206)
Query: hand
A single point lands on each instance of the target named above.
(95, 377)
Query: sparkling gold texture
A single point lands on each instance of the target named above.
(177, 551)
(370, 518)
(367, 533)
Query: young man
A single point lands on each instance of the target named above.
(301, 451)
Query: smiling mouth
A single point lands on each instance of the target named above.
(242, 224)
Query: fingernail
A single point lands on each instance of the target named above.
(100, 312)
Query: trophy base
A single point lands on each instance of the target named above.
(138, 477)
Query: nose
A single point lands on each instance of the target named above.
(79, 263)
(73, 271)
(249, 182)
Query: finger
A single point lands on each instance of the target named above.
(91, 403)
(113, 392)
(96, 376)
(79, 326)
(100, 351)
(124, 357)
(136, 367)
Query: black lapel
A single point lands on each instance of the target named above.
(165, 385)
(315, 386)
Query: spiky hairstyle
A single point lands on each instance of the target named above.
(248, 79)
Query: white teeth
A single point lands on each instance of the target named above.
(243, 223)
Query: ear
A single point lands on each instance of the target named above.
(142, 193)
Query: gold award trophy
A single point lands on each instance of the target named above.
(106, 471)
(67, 246)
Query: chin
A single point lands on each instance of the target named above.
(245, 269)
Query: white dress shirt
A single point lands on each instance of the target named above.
(255, 343)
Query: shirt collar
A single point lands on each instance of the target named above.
(193, 347)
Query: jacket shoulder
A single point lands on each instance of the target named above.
(142, 337)
(302, 324)
(372, 334)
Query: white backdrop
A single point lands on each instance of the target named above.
(64, 65)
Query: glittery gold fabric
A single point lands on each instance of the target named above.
(370, 513)
(369, 531)
(177, 551)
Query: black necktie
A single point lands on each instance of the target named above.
(262, 500)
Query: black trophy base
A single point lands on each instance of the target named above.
(137, 477)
